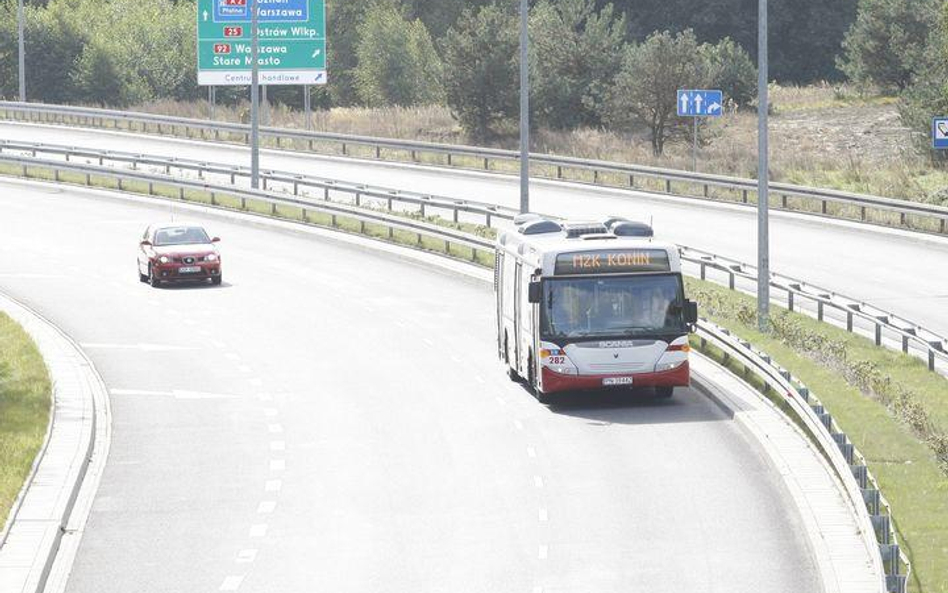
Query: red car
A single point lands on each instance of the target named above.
(178, 253)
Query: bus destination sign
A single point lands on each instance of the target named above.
(612, 261)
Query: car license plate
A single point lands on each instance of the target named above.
(610, 381)
(189, 269)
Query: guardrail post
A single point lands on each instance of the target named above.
(243, 203)
(744, 196)
(878, 333)
(414, 156)
(344, 151)
(361, 227)
(389, 204)
(213, 199)
(823, 206)
(449, 159)
(931, 359)
(391, 233)
(730, 280)
(273, 208)
(942, 230)
(862, 213)
(486, 164)
(595, 176)
(849, 321)
(151, 188)
(56, 174)
(180, 193)
(783, 201)
(378, 151)
(120, 184)
(703, 269)
(419, 239)
(668, 186)
(358, 200)
(88, 177)
(819, 310)
(631, 180)
(455, 216)
(447, 247)
(422, 209)
(332, 220)
(902, 219)
(303, 214)
(326, 194)
(487, 219)
(706, 190)
(296, 187)
(263, 179)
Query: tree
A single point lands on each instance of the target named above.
(730, 69)
(481, 71)
(645, 89)
(927, 94)
(398, 64)
(887, 42)
(575, 53)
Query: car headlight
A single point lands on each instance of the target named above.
(164, 259)
(211, 257)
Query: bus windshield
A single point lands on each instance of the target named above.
(612, 306)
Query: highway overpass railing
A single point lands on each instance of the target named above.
(871, 508)
(910, 215)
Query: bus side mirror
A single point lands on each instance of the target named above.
(691, 312)
(535, 292)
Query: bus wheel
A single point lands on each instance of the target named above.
(511, 371)
(664, 392)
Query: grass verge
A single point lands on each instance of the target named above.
(25, 392)
(893, 409)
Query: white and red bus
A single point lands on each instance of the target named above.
(595, 305)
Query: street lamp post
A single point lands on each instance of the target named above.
(763, 175)
(21, 50)
(524, 110)
(254, 97)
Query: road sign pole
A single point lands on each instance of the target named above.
(308, 107)
(264, 106)
(254, 96)
(763, 176)
(21, 50)
(524, 109)
(211, 100)
(694, 147)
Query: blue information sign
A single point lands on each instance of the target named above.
(940, 132)
(700, 103)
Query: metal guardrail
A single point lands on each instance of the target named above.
(885, 328)
(391, 222)
(870, 507)
(290, 182)
(859, 485)
(845, 205)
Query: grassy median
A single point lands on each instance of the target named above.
(25, 392)
(892, 408)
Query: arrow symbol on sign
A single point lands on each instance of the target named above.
(317, 52)
(684, 103)
(714, 107)
(698, 101)
(205, 16)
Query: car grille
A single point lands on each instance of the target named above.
(187, 259)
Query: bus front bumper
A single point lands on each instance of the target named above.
(553, 382)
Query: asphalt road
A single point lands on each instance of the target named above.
(899, 271)
(333, 419)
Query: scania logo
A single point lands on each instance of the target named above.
(617, 344)
(615, 355)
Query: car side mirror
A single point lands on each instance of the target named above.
(535, 291)
(146, 243)
(216, 240)
(691, 312)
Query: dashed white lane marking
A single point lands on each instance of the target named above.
(266, 397)
(273, 485)
(25, 275)
(218, 344)
(538, 481)
(190, 322)
(278, 445)
(428, 341)
(518, 425)
(243, 368)
(256, 382)
(543, 552)
(479, 379)
(266, 507)
(274, 428)
(400, 323)
(542, 515)
(501, 400)
(531, 452)
(538, 590)
(270, 412)
(258, 530)
(246, 556)
(175, 393)
(232, 356)
(457, 359)
(277, 465)
(231, 583)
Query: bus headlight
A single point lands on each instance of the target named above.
(667, 366)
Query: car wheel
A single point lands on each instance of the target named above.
(142, 277)
(216, 280)
(152, 279)
(664, 392)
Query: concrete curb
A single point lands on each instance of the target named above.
(843, 563)
(75, 450)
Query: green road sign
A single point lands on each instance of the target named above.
(292, 41)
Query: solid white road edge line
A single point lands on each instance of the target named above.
(54, 508)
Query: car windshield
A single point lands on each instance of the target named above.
(181, 235)
(615, 306)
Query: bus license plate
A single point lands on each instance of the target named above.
(610, 381)
(189, 269)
